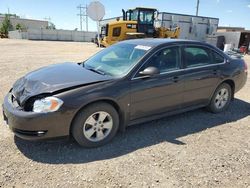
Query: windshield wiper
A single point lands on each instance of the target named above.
(96, 71)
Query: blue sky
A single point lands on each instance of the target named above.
(63, 13)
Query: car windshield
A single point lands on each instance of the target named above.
(116, 60)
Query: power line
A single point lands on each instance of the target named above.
(83, 16)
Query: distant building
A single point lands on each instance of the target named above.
(25, 23)
(229, 29)
(236, 37)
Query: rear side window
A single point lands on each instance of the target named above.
(197, 56)
(218, 58)
(116, 32)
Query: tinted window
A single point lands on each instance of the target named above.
(116, 31)
(218, 58)
(197, 56)
(165, 60)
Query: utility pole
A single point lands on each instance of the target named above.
(47, 18)
(83, 16)
(8, 13)
(197, 7)
(80, 8)
(87, 21)
(8, 16)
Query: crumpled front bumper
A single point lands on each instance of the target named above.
(35, 126)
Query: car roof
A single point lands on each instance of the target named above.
(153, 42)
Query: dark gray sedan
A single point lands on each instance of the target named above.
(128, 83)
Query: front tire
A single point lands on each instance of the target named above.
(221, 98)
(95, 125)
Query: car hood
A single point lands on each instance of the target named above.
(54, 78)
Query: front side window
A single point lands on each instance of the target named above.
(117, 59)
(197, 56)
(166, 60)
(134, 15)
(146, 17)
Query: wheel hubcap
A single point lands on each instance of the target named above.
(221, 98)
(98, 126)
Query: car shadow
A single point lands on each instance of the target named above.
(168, 129)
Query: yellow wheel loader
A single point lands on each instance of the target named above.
(136, 23)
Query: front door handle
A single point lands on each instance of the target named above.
(215, 72)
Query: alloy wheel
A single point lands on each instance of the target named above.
(98, 126)
(221, 98)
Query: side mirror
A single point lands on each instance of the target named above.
(150, 71)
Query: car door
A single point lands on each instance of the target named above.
(162, 92)
(201, 74)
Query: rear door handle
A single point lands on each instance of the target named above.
(176, 78)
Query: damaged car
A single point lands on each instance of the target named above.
(128, 83)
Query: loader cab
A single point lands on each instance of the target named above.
(136, 23)
(145, 18)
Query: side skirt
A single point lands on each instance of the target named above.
(165, 114)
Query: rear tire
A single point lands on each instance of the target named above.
(221, 98)
(95, 125)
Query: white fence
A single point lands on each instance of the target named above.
(54, 35)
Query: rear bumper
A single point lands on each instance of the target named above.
(35, 126)
(241, 81)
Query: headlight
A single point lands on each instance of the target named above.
(48, 104)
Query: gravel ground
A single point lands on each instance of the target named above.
(194, 149)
